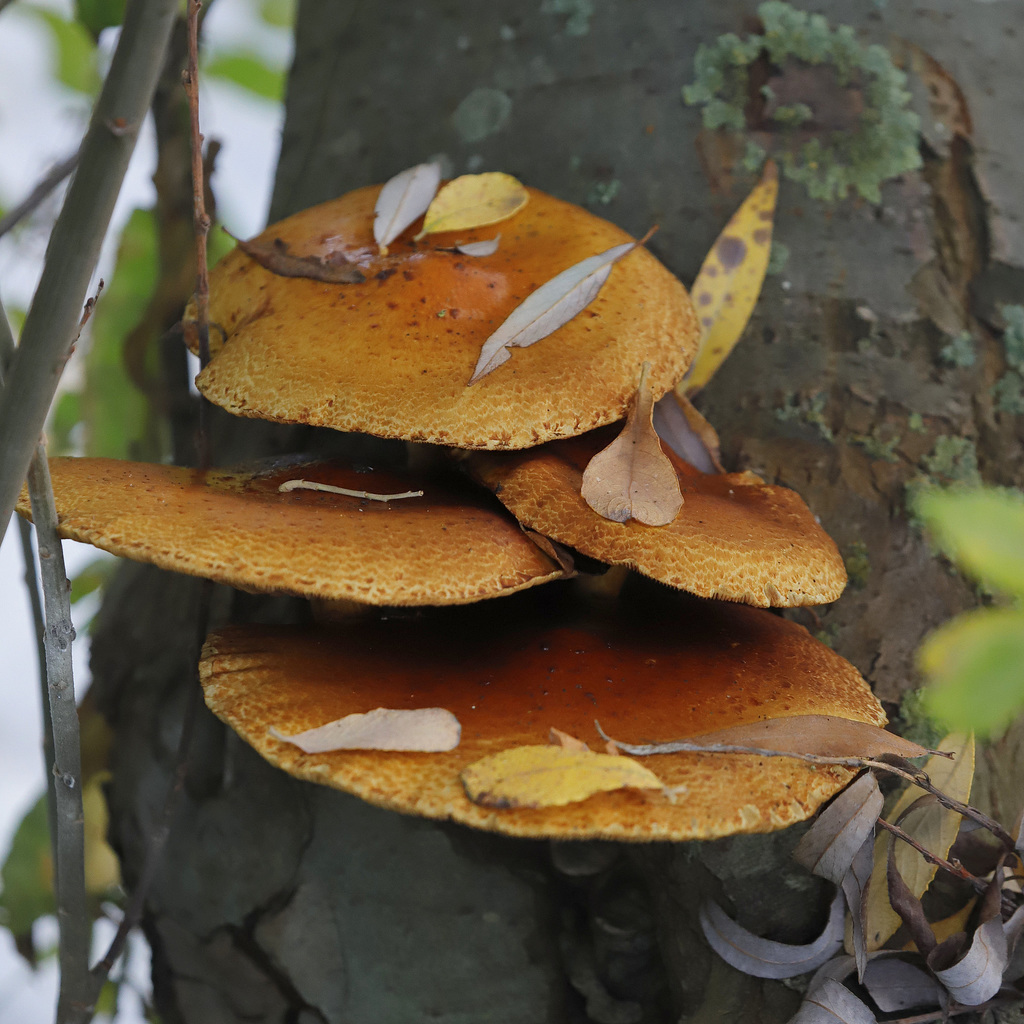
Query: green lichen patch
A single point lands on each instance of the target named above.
(836, 112)
(1008, 393)
(953, 460)
(809, 410)
(1013, 336)
(858, 564)
(877, 445)
(915, 422)
(915, 722)
(960, 351)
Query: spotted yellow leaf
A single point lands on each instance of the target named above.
(474, 201)
(550, 776)
(729, 281)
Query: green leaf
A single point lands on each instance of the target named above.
(76, 51)
(114, 410)
(96, 15)
(92, 576)
(27, 873)
(982, 531)
(67, 414)
(279, 13)
(975, 665)
(249, 71)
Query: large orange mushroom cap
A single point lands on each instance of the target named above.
(392, 355)
(735, 537)
(452, 546)
(649, 671)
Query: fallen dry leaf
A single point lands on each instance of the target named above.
(278, 259)
(829, 846)
(729, 281)
(832, 1003)
(557, 738)
(488, 247)
(897, 985)
(403, 198)
(424, 729)
(824, 736)
(549, 776)
(475, 201)
(633, 478)
(764, 958)
(553, 304)
(934, 827)
(855, 888)
(688, 433)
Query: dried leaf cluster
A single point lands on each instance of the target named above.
(965, 961)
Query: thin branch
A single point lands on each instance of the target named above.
(201, 220)
(74, 246)
(50, 181)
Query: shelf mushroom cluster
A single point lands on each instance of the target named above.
(389, 352)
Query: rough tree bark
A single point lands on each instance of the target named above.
(280, 901)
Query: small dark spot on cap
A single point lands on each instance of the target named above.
(712, 271)
(408, 275)
(765, 214)
(731, 251)
(706, 321)
(453, 313)
(761, 236)
(704, 299)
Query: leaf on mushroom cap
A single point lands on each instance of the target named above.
(633, 478)
(735, 537)
(403, 199)
(665, 662)
(391, 356)
(475, 201)
(236, 527)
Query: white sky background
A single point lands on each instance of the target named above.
(41, 123)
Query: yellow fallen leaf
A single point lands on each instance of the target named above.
(474, 201)
(550, 776)
(729, 281)
(933, 826)
(633, 478)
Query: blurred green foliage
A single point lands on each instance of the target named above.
(75, 47)
(975, 663)
(27, 874)
(96, 15)
(249, 71)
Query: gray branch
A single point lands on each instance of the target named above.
(74, 247)
(28, 205)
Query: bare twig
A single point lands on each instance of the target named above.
(77, 236)
(201, 220)
(50, 181)
(956, 1010)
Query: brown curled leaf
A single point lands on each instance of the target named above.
(278, 259)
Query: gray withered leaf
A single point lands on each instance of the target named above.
(553, 304)
(895, 984)
(1012, 928)
(279, 259)
(488, 247)
(764, 958)
(633, 478)
(830, 845)
(687, 432)
(423, 729)
(856, 885)
(832, 1003)
(403, 198)
(977, 974)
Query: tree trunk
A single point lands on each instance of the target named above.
(281, 901)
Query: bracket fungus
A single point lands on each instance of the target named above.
(391, 355)
(735, 537)
(669, 665)
(381, 334)
(239, 527)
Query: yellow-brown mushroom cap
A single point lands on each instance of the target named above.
(451, 546)
(681, 667)
(392, 355)
(735, 538)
